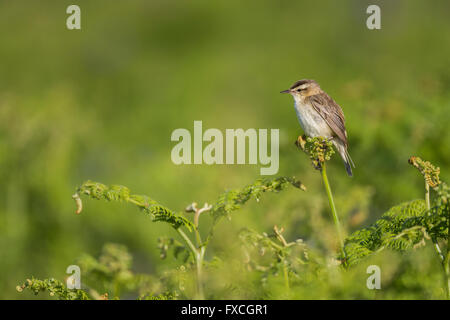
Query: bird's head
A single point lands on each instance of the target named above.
(303, 88)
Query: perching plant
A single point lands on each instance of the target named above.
(320, 150)
(402, 227)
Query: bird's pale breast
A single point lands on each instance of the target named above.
(312, 123)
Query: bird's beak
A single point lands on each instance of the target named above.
(286, 91)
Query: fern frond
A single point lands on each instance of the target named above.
(234, 199)
(54, 288)
(393, 230)
(427, 169)
(403, 227)
(157, 212)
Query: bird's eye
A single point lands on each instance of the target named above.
(300, 89)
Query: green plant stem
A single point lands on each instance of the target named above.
(285, 244)
(197, 232)
(198, 256)
(286, 275)
(443, 260)
(200, 252)
(199, 260)
(436, 245)
(333, 208)
(187, 240)
(446, 265)
(446, 262)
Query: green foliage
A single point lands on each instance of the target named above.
(232, 200)
(437, 220)
(55, 288)
(109, 273)
(156, 211)
(165, 244)
(409, 224)
(428, 170)
(403, 227)
(393, 230)
(113, 266)
(227, 202)
(108, 276)
(283, 256)
(161, 296)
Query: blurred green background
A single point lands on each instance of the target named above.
(101, 103)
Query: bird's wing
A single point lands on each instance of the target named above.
(330, 111)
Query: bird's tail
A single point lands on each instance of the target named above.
(342, 149)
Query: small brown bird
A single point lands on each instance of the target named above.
(320, 116)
